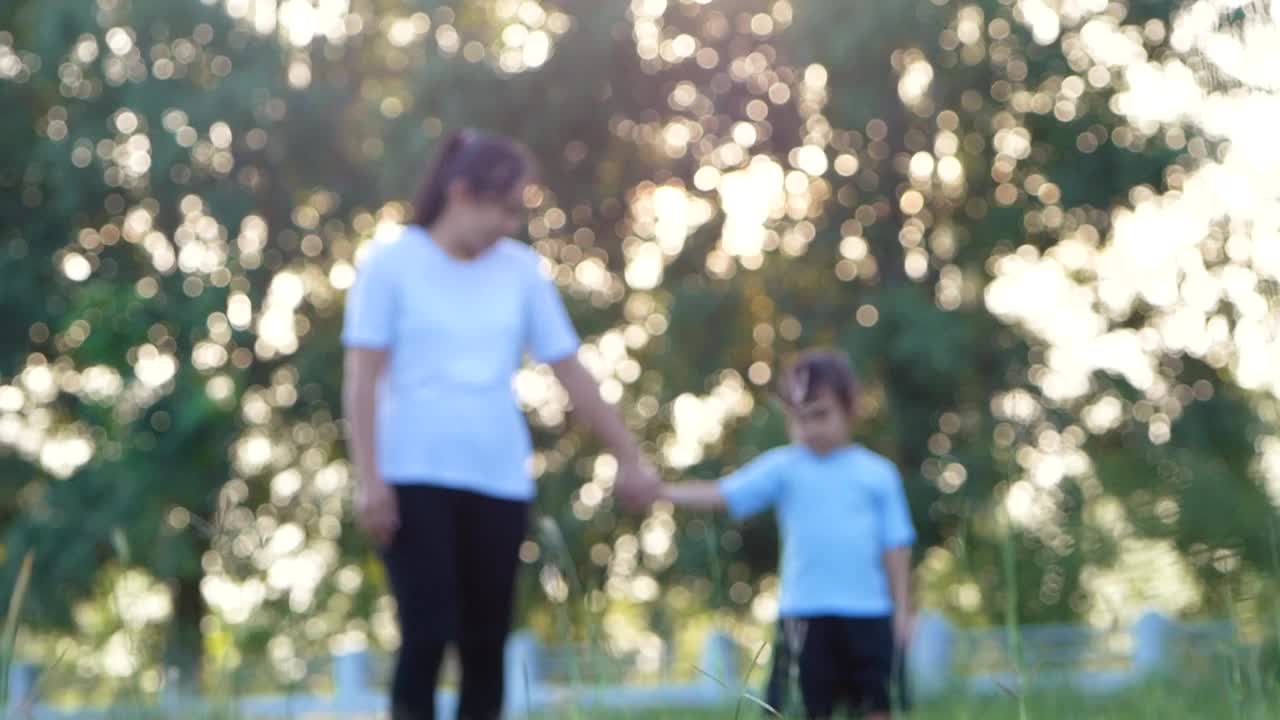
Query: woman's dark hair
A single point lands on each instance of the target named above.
(490, 165)
(815, 370)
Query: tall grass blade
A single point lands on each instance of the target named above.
(1012, 630)
(9, 640)
(746, 679)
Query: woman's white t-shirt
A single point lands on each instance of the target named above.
(456, 332)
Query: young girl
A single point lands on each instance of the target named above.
(846, 541)
(435, 326)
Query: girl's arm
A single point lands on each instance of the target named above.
(697, 495)
(897, 565)
(752, 488)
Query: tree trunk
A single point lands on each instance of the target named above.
(184, 651)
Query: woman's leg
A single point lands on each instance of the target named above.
(420, 564)
(490, 532)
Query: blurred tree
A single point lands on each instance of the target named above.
(136, 162)
(185, 197)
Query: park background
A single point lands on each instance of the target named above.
(1046, 231)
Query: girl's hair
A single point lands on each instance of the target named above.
(815, 370)
(490, 165)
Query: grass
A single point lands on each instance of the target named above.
(1012, 628)
(9, 632)
(1167, 698)
(1232, 689)
(1157, 702)
(1225, 692)
(1167, 701)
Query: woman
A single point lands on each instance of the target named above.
(435, 327)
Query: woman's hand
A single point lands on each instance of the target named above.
(638, 480)
(377, 510)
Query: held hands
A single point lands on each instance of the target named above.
(377, 510)
(638, 484)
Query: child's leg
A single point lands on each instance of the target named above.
(779, 687)
(819, 664)
(876, 683)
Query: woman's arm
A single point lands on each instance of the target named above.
(375, 502)
(637, 480)
(594, 412)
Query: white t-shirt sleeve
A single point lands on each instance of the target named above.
(754, 487)
(549, 333)
(370, 313)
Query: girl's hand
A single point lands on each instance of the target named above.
(904, 627)
(377, 510)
